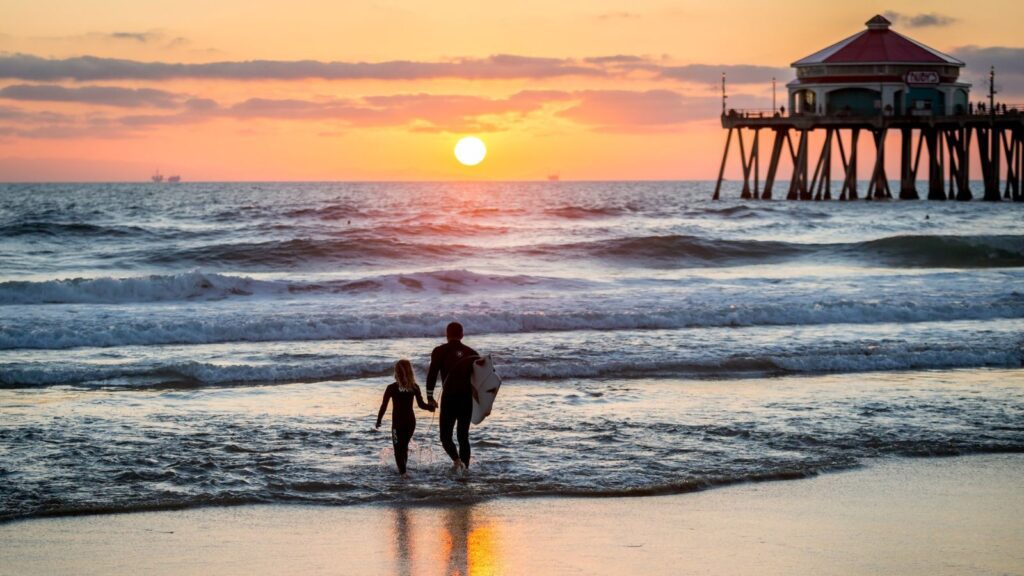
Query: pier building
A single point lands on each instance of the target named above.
(875, 81)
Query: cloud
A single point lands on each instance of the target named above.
(734, 74)
(1008, 62)
(92, 68)
(10, 113)
(419, 112)
(141, 37)
(97, 95)
(604, 110)
(622, 110)
(926, 20)
(617, 59)
(496, 67)
(19, 123)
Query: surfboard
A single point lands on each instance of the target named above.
(485, 382)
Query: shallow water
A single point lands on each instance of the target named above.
(71, 451)
(131, 314)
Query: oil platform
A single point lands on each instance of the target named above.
(875, 81)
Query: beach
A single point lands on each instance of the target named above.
(897, 516)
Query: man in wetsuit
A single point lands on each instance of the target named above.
(454, 362)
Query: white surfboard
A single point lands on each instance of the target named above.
(485, 382)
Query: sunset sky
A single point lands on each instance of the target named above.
(382, 90)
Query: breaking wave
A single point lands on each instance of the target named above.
(941, 251)
(855, 356)
(923, 251)
(54, 329)
(197, 285)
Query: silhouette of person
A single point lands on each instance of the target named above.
(453, 361)
(403, 420)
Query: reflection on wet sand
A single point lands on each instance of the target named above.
(455, 541)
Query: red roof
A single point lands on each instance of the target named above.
(878, 44)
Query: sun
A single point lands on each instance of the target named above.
(470, 151)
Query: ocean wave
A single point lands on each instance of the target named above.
(730, 211)
(69, 230)
(155, 288)
(413, 240)
(943, 251)
(584, 212)
(920, 251)
(197, 285)
(667, 355)
(43, 329)
(293, 253)
(186, 374)
(677, 247)
(328, 213)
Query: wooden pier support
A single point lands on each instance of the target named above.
(721, 169)
(821, 183)
(956, 142)
(750, 164)
(849, 191)
(936, 190)
(773, 163)
(988, 150)
(1018, 137)
(949, 141)
(878, 186)
(1011, 146)
(798, 189)
(908, 176)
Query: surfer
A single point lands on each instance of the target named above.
(453, 361)
(403, 419)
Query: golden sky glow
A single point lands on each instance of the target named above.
(311, 90)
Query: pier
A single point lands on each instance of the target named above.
(869, 84)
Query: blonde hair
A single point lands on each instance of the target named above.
(404, 376)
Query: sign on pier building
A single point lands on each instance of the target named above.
(878, 72)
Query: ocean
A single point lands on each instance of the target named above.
(168, 346)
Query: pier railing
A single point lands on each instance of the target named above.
(973, 112)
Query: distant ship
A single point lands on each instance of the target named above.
(158, 177)
(554, 177)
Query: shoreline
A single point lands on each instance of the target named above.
(944, 515)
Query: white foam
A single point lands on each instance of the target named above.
(673, 353)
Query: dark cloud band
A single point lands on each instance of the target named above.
(91, 68)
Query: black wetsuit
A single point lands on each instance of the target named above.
(452, 361)
(403, 420)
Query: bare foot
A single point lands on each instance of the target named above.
(405, 476)
(457, 466)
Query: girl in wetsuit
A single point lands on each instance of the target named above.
(403, 421)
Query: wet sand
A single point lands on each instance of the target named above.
(902, 516)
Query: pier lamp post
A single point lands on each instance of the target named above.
(723, 94)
